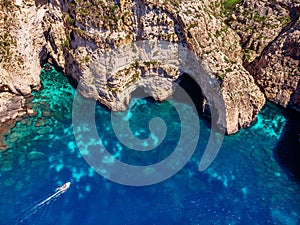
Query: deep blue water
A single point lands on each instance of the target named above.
(246, 184)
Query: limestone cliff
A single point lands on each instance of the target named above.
(259, 22)
(270, 34)
(30, 32)
(277, 70)
(74, 34)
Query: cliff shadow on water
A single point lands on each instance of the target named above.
(287, 150)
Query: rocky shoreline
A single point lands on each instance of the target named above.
(252, 48)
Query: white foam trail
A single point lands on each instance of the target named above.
(60, 190)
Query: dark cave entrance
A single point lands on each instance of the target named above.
(188, 84)
(191, 87)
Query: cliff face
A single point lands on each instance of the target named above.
(270, 34)
(29, 33)
(259, 22)
(74, 35)
(191, 23)
(277, 70)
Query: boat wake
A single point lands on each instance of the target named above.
(33, 210)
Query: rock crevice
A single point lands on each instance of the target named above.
(75, 34)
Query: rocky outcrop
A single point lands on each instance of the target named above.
(219, 48)
(10, 106)
(277, 70)
(259, 22)
(191, 23)
(31, 32)
(75, 35)
(269, 32)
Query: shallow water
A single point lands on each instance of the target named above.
(246, 184)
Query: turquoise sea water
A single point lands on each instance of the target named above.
(250, 181)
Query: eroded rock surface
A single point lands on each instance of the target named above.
(191, 23)
(269, 32)
(277, 70)
(31, 32)
(74, 35)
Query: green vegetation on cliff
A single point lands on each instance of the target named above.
(97, 13)
(6, 38)
(229, 5)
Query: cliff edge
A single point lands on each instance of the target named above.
(74, 34)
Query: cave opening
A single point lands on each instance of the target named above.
(46, 58)
(190, 86)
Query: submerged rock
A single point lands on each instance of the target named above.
(47, 114)
(4, 130)
(19, 186)
(9, 182)
(22, 160)
(44, 130)
(6, 166)
(35, 155)
(41, 122)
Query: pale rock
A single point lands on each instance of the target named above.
(75, 41)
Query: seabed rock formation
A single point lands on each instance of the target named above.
(252, 48)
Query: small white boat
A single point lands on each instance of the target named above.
(64, 187)
(60, 190)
